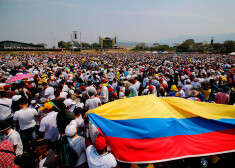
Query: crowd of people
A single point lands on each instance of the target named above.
(43, 119)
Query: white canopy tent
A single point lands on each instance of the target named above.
(233, 53)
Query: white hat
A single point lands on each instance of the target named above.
(68, 102)
(71, 129)
(71, 91)
(16, 97)
(31, 79)
(188, 80)
(33, 101)
(182, 78)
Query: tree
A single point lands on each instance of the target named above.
(156, 44)
(62, 44)
(86, 45)
(141, 45)
(217, 47)
(228, 46)
(95, 45)
(42, 45)
(163, 47)
(186, 46)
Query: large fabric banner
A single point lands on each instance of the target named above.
(149, 129)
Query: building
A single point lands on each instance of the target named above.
(107, 42)
(14, 45)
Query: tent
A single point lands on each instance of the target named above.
(147, 129)
(155, 52)
(233, 53)
(165, 52)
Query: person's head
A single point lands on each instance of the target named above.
(47, 107)
(71, 129)
(91, 93)
(100, 144)
(3, 94)
(226, 89)
(151, 88)
(44, 84)
(42, 147)
(161, 80)
(77, 111)
(68, 103)
(179, 87)
(23, 103)
(4, 127)
(89, 83)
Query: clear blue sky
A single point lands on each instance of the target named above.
(130, 20)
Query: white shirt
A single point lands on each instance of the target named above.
(187, 88)
(91, 88)
(25, 118)
(79, 146)
(5, 110)
(49, 92)
(104, 92)
(49, 126)
(95, 160)
(15, 139)
(63, 94)
(92, 103)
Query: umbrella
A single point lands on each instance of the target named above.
(226, 66)
(13, 64)
(19, 77)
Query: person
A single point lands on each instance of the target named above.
(193, 95)
(48, 128)
(65, 116)
(187, 87)
(76, 142)
(5, 108)
(97, 155)
(25, 118)
(49, 91)
(7, 155)
(10, 134)
(93, 102)
(104, 94)
(222, 97)
(46, 155)
(91, 87)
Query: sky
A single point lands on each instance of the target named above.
(50, 21)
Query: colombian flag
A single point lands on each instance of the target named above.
(149, 129)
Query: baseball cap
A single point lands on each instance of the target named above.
(68, 102)
(104, 80)
(16, 97)
(47, 106)
(71, 129)
(151, 87)
(188, 80)
(100, 142)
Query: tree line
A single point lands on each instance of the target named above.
(68, 45)
(190, 45)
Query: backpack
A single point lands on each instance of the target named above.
(68, 156)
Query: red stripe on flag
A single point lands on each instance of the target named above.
(171, 148)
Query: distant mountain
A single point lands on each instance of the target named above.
(127, 44)
(219, 38)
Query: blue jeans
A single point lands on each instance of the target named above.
(27, 136)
